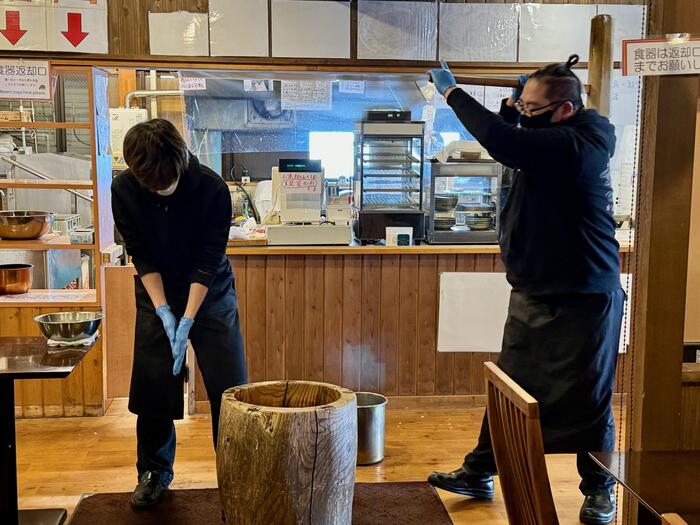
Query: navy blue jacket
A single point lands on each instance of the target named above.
(557, 232)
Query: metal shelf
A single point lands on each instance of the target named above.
(39, 184)
(48, 242)
(52, 298)
(44, 125)
(390, 190)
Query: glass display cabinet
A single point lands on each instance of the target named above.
(462, 201)
(388, 178)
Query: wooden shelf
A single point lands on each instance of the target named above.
(39, 184)
(52, 298)
(47, 242)
(45, 125)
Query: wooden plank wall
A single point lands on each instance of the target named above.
(80, 394)
(364, 322)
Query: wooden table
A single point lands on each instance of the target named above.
(663, 482)
(26, 358)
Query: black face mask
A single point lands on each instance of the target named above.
(543, 120)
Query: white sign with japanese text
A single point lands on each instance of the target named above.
(661, 56)
(307, 95)
(300, 182)
(192, 83)
(25, 79)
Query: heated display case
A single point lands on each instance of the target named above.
(388, 178)
(462, 201)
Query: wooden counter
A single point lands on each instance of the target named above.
(362, 317)
(420, 249)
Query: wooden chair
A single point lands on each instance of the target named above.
(672, 519)
(516, 437)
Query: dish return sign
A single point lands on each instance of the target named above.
(671, 55)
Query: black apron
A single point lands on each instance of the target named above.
(562, 349)
(216, 339)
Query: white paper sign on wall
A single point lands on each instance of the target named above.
(77, 26)
(23, 27)
(307, 95)
(192, 83)
(661, 56)
(25, 79)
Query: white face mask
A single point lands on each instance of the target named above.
(169, 190)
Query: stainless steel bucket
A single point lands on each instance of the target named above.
(370, 427)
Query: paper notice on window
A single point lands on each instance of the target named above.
(307, 95)
(300, 182)
(258, 85)
(494, 96)
(192, 83)
(351, 86)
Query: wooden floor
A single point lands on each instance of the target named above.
(60, 459)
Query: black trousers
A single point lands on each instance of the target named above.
(218, 346)
(562, 349)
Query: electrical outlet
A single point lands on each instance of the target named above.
(245, 180)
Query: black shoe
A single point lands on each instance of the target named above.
(598, 509)
(464, 482)
(149, 492)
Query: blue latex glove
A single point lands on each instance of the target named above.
(442, 78)
(169, 322)
(180, 345)
(518, 91)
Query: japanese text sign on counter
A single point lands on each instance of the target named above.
(25, 79)
(294, 182)
(661, 56)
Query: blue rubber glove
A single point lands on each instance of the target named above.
(169, 322)
(518, 91)
(442, 78)
(180, 345)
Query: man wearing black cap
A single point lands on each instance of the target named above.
(558, 245)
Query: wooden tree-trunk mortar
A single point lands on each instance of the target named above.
(286, 454)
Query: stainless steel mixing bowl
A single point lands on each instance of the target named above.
(24, 225)
(69, 326)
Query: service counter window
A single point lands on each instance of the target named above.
(241, 123)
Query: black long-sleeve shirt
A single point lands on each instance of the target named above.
(182, 236)
(557, 232)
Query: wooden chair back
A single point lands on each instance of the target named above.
(516, 437)
(672, 519)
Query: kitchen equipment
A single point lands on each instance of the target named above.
(64, 223)
(388, 182)
(69, 326)
(388, 115)
(371, 410)
(297, 193)
(15, 278)
(82, 236)
(24, 225)
(461, 200)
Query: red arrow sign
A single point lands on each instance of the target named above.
(12, 31)
(75, 33)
